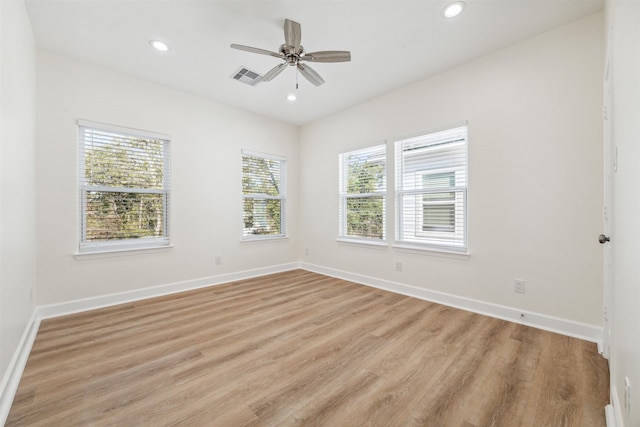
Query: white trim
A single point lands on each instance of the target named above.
(434, 129)
(364, 242)
(364, 146)
(252, 153)
(612, 411)
(545, 322)
(266, 239)
(445, 251)
(120, 129)
(13, 374)
(77, 306)
(105, 252)
(105, 188)
(609, 415)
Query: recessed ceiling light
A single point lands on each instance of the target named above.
(454, 9)
(159, 45)
(291, 97)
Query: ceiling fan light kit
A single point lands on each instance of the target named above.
(293, 54)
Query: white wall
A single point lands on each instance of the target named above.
(534, 199)
(535, 192)
(206, 211)
(624, 21)
(17, 181)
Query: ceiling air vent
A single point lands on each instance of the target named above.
(247, 76)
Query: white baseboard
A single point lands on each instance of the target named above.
(612, 411)
(12, 375)
(570, 328)
(610, 417)
(61, 309)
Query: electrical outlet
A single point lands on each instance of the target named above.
(306, 252)
(518, 286)
(398, 266)
(218, 259)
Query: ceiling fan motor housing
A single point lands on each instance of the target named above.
(290, 55)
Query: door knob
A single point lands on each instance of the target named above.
(603, 239)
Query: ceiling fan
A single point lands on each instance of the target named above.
(293, 54)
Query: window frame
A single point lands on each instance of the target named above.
(125, 244)
(344, 196)
(456, 240)
(282, 196)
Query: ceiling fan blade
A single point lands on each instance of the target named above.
(256, 50)
(327, 56)
(310, 74)
(272, 73)
(292, 34)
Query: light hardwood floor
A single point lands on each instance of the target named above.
(298, 348)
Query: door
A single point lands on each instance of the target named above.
(610, 166)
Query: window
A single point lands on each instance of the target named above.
(431, 190)
(362, 176)
(124, 188)
(263, 195)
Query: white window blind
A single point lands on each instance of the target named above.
(431, 190)
(124, 178)
(362, 194)
(263, 195)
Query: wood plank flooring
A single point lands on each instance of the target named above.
(298, 348)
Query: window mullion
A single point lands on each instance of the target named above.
(97, 188)
(362, 195)
(261, 196)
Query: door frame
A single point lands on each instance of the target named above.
(609, 170)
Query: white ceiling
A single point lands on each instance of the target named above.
(393, 43)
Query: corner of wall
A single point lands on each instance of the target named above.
(12, 375)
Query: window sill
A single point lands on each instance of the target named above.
(374, 244)
(430, 250)
(269, 239)
(121, 252)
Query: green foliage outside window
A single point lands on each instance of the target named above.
(365, 215)
(111, 167)
(262, 204)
